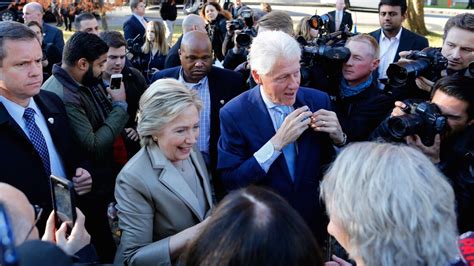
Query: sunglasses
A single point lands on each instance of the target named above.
(38, 211)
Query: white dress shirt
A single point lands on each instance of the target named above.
(388, 51)
(16, 111)
(267, 154)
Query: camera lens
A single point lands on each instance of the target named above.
(405, 125)
(244, 40)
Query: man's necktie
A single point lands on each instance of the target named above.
(289, 151)
(338, 20)
(37, 139)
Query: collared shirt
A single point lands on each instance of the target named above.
(267, 154)
(338, 15)
(16, 111)
(388, 51)
(141, 19)
(202, 88)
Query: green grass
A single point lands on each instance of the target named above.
(444, 4)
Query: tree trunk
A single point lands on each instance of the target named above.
(415, 20)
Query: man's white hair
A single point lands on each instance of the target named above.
(269, 47)
(35, 6)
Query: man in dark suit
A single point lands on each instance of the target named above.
(135, 26)
(339, 18)
(215, 87)
(34, 12)
(392, 37)
(190, 22)
(266, 139)
(34, 130)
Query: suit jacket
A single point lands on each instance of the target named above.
(132, 28)
(408, 41)
(223, 86)
(172, 59)
(154, 203)
(246, 126)
(21, 165)
(346, 20)
(53, 35)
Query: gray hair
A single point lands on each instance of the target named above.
(14, 31)
(34, 5)
(270, 46)
(191, 22)
(368, 39)
(394, 205)
(276, 20)
(162, 102)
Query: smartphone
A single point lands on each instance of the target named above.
(63, 201)
(115, 81)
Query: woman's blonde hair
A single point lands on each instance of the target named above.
(162, 102)
(394, 205)
(303, 29)
(159, 43)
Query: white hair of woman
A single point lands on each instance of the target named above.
(162, 102)
(389, 205)
(270, 46)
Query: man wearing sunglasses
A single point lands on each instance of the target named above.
(24, 216)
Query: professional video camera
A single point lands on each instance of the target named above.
(326, 53)
(134, 51)
(245, 24)
(428, 63)
(421, 118)
(134, 46)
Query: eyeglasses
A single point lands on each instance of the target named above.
(38, 211)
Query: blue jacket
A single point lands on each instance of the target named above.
(246, 126)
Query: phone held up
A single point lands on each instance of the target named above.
(63, 201)
(115, 81)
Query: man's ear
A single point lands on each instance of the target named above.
(256, 77)
(82, 64)
(374, 64)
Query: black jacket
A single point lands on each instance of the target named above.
(168, 11)
(172, 59)
(217, 31)
(20, 164)
(346, 20)
(360, 114)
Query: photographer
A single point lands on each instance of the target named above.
(360, 106)
(457, 49)
(240, 32)
(443, 130)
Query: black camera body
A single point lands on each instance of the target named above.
(134, 47)
(237, 24)
(244, 38)
(428, 63)
(421, 118)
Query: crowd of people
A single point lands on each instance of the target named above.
(209, 151)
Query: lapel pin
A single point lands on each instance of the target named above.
(222, 101)
(51, 120)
